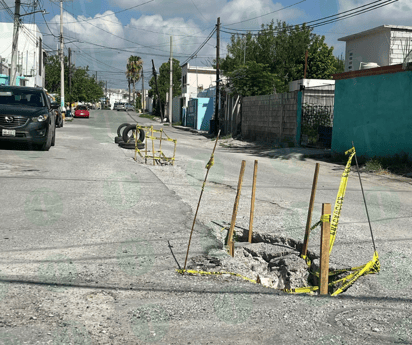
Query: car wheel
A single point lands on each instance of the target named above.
(128, 133)
(47, 144)
(54, 138)
(119, 129)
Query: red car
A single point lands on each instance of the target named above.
(81, 111)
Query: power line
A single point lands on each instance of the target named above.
(125, 39)
(266, 14)
(111, 14)
(338, 16)
(200, 47)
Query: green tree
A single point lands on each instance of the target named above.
(163, 81)
(282, 48)
(84, 87)
(133, 70)
(253, 79)
(340, 64)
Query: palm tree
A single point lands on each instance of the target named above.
(129, 76)
(134, 67)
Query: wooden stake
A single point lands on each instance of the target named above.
(235, 207)
(145, 147)
(252, 206)
(310, 211)
(209, 165)
(153, 150)
(324, 249)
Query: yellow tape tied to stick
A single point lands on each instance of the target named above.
(343, 283)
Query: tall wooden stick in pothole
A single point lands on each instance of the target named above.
(304, 251)
(230, 242)
(208, 166)
(324, 249)
(252, 205)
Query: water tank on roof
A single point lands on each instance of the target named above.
(368, 65)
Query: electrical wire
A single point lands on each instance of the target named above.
(266, 14)
(200, 47)
(111, 14)
(321, 21)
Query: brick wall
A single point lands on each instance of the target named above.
(270, 117)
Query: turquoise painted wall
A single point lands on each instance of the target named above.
(375, 112)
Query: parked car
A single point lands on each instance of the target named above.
(58, 113)
(81, 111)
(27, 115)
(121, 106)
(128, 106)
(115, 105)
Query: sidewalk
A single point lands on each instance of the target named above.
(266, 149)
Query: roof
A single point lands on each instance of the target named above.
(369, 72)
(375, 30)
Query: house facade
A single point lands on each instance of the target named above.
(30, 55)
(195, 79)
(381, 46)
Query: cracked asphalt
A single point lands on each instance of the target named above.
(89, 238)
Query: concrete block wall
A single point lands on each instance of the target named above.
(270, 117)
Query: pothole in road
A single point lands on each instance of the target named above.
(274, 259)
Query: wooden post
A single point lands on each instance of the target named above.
(161, 134)
(310, 210)
(208, 166)
(153, 148)
(252, 206)
(135, 145)
(324, 249)
(306, 64)
(235, 207)
(145, 148)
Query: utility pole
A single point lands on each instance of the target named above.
(217, 76)
(96, 76)
(14, 48)
(171, 84)
(244, 51)
(143, 96)
(61, 57)
(70, 79)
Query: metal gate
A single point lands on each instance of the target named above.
(317, 116)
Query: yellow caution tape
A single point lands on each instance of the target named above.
(339, 199)
(325, 218)
(211, 162)
(371, 267)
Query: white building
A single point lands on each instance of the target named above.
(30, 57)
(117, 95)
(195, 79)
(384, 45)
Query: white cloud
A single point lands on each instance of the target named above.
(398, 13)
(207, 11)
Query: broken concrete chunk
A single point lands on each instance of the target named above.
(268, 251)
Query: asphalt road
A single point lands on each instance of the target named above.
(89, 241)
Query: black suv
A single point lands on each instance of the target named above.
(26, 115)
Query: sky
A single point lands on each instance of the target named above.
(103, 34)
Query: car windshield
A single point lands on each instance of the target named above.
(27, 98)
(82, 108)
